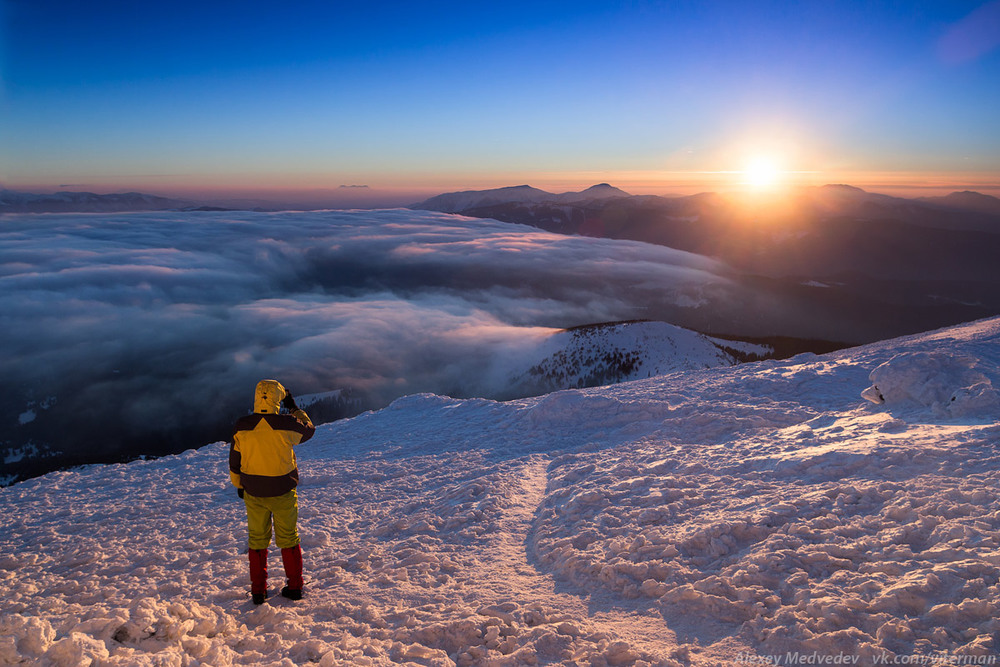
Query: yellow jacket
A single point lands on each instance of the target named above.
(261, 458)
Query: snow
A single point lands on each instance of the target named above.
(946, 383)
(759, 513)
(15, 454)
(609, 353)
(31, 410)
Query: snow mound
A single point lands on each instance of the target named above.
(947, 384)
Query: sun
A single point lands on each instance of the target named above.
(762, 172)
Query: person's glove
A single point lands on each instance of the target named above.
(289, 403)
(239, 492)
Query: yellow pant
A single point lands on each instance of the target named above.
(282, 511)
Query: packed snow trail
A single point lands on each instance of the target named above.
(765, 509)
(513, 576)
(518, 580)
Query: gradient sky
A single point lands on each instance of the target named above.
(227, 97)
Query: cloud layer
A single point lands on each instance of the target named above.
(153, 327)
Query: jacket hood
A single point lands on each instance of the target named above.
(267, 399)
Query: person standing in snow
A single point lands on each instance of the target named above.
(262, 467)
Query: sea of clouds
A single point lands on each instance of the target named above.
(142, 332)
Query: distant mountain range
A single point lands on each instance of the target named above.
(971, 210)
(85, 202)
(887, 265)
(586, 212)
(459, 202)
(89, 202)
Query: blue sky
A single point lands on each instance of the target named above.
(238, 96)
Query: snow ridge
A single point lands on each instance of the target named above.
(602, 354)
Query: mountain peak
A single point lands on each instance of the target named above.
(604, 188)
(968, 200)
(842, 187)
(599, 191)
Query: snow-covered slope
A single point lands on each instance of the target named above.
(765, 512)
(601, 354)
(453, 202)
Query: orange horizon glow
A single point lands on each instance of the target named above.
(757, 174)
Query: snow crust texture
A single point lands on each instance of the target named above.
(695, 518)
(948, 384)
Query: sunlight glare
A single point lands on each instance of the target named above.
(762, 172)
